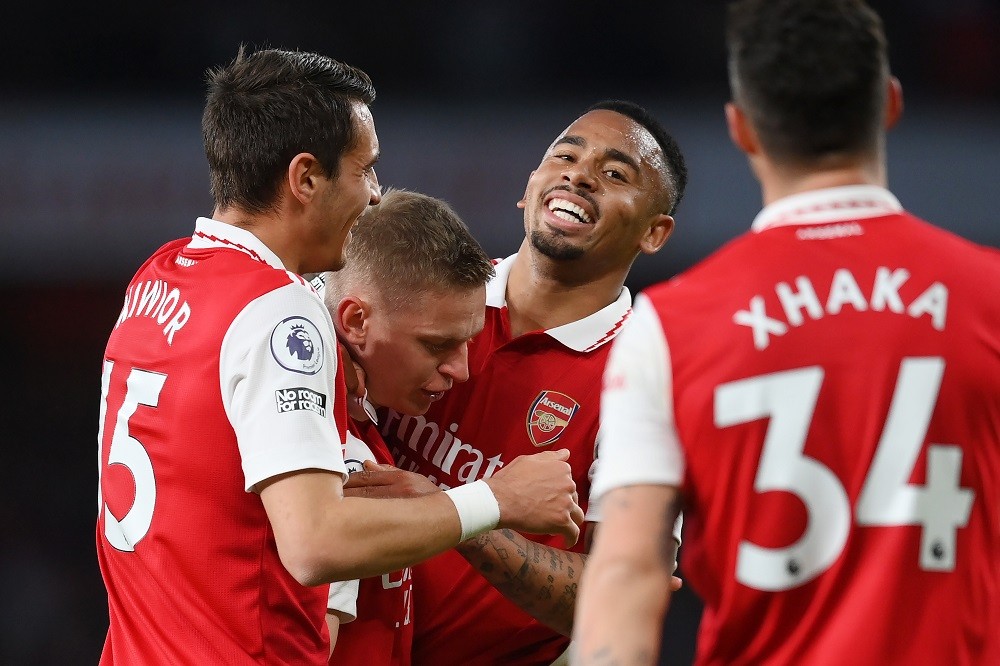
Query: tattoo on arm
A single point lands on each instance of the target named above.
(541, 580)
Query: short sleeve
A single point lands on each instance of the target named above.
(639, 443)
(344, 599)
(278, 369)
(344, 594)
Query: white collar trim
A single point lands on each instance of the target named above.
(582, 335)
(832, 204)
(210, 233)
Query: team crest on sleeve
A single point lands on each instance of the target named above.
(548, 416)
(297, 345)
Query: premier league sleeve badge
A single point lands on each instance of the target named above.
(296, 344)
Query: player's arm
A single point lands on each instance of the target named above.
(278, 380)
(323, 536)
(541, 580)
(627, 583)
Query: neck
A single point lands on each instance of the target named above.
(268, 229)
(543, 294)
(779, 181)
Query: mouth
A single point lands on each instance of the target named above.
(434, 395)
(570, 208)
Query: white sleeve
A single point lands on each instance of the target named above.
(277, 370)
(356, 452)
(344, 599)
(639, 443)
(344, 594)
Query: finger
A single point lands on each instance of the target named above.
(561, 454)
(357, 491)
(361, 390)
(372, 466)
(571, 535)
(350, 373)
(577, 515)
(367, 478)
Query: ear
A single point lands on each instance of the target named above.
(741, 132)
(351, 319)
(304, 172)
(523, 202)
(658, 233)
(893, 102)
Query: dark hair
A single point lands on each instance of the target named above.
(409, 243)
(677, 174)
(810, 75)
(266, 107)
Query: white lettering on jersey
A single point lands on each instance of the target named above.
(844, 291)
(444, 449)
(155, 299)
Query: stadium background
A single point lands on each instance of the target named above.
(101, 162)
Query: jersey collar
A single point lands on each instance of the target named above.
(833, 204)
(210, 233)
(582, 335)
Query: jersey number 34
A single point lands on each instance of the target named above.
(788, 399)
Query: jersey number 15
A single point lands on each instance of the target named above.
(141, 388)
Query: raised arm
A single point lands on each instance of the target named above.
(626, 587)
(323, 536)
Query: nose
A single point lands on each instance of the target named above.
(580, 174)
(456, 366)
(376, 190)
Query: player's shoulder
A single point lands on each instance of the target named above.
(710, 274)
(960, 248)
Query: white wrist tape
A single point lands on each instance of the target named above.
(478, 509)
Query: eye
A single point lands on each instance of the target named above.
(615, 174)
(435, 347)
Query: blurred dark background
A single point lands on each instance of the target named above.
(101, 162)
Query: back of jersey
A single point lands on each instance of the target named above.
(837, 397)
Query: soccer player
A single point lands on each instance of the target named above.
(406, 304)
(822, 394)
(221, 513)
(604, 192)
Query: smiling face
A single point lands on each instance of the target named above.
(346, 196)
(599, 193)
(413, 353)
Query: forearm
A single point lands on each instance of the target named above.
(626, 586)
(627, 623)
(322, 536)
(541, 580)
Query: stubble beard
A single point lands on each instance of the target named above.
(554, 246)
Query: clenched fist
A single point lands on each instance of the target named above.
(537, 495)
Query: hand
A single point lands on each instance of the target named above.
(354, 378)
(537, 495)
(386, 481)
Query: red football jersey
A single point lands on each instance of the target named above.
(218, 375)
(382, 632)
(538, 391)
(828, 390)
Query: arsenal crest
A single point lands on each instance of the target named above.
(548, 416)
